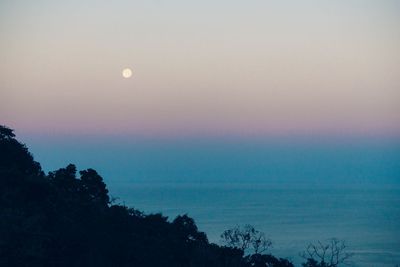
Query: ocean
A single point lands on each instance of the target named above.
(296, 192)
(368, 219)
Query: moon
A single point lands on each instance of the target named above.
(126, 73)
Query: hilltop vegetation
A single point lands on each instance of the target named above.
(66, 218)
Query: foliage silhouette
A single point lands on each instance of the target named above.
(262, 260)
(66, 218)
(245, 238)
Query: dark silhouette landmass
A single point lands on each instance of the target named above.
(65, 218)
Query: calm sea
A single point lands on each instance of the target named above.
(295, 191)
(368, 219)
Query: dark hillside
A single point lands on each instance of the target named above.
(66, 218)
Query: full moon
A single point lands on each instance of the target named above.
(126, 73)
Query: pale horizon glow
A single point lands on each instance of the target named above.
(210, 68)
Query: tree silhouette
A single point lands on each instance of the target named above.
(187, 228)
(330, 254)
(92, 186)
(6, 133)
(245, 238)
(255, 243)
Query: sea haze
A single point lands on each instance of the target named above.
(297, 190)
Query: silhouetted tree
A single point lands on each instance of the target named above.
(187, 228)
(92, 186)
(23, 204)
(246, 237)
(6, 133)
(330, 254)
(15, 160)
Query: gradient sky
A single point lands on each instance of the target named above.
(201, 67)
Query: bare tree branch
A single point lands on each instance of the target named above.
(330, 254)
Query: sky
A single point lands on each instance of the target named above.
(201, 67)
